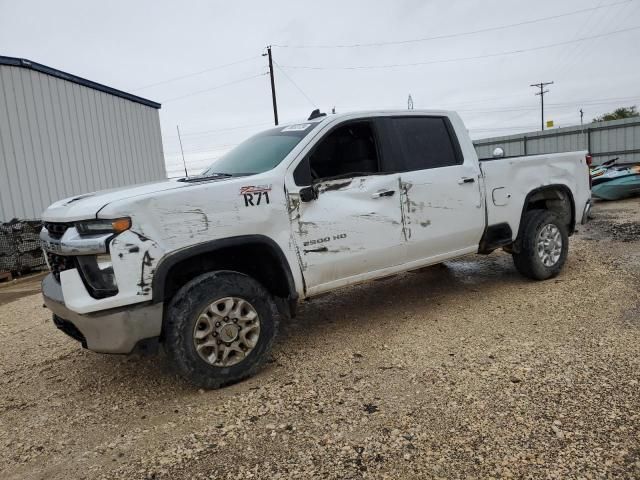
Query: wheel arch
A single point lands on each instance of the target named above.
(557, 198)
(233, 253)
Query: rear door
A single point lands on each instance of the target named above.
(344, 210)
(441, 193)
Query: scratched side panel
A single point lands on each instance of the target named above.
(208, 211)
(441, 215)
(516, 177)
(345, 231)
(134, 258)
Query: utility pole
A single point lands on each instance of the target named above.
(586, 140)
(542, 91)
(183, 161)
(273, 85)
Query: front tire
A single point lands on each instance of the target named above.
(220, 328)
(544, 245)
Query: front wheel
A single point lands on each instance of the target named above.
(543, 247)
(220, 328)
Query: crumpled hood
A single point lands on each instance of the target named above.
(82, 207)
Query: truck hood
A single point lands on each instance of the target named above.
(83, 207)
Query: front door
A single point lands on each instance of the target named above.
(345, 213)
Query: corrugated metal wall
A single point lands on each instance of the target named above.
(605, 140)
(59, 139)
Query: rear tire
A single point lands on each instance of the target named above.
(544, 245)
(220, 328)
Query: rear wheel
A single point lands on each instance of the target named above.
(220, 328)
(544, 245)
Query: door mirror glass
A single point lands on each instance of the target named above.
(308, 194)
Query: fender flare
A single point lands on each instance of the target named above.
(555, 186)
(172, 259)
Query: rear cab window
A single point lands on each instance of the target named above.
(421, 143)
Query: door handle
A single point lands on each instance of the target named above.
(466, 180)
(383, 193)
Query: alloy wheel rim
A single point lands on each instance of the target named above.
(549, 245)
(226, 331)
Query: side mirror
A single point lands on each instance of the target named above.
(498, 152)
(308, 194)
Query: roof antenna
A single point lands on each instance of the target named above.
(183, 161)
(316, 114)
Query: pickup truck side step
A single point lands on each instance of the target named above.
(495, 236)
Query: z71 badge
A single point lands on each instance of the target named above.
(254, 195)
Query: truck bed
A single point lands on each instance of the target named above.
(510, 180)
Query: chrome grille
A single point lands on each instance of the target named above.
(56, 230)
(59, 263)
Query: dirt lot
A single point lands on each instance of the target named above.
(462, 371)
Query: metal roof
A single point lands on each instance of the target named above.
(38, 67)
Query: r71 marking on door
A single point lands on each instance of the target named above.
(255, 193)
(250, 197)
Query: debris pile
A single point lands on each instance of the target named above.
(20, 250)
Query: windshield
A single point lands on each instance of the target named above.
(261, 152)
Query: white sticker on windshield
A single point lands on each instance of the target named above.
(300, 127)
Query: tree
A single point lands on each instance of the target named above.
(618, 114)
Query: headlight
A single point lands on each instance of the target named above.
(97, 273)
(92, 227)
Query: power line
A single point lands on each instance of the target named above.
(459, 34)
(295, 85)
(573, 56)
(213, 88)
(203, 148)
(523, 108)
(212, 148)
(219, 130)
(513, 108)
(460, 59)
(188, 75)
(532, 108)
(488, 129)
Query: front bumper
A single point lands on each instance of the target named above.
(116, 330)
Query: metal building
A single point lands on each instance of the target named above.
(63, 135)
(604, 140)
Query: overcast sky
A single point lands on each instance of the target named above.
(142, 47)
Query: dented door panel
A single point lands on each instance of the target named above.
(441, 213)
(353, 227)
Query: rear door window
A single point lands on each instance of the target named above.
(425, 142)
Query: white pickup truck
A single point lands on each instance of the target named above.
(209, 265)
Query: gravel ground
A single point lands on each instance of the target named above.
(464, 370)
(20, 287)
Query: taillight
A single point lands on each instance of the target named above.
(589, 159)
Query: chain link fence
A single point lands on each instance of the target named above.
(20, 250)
